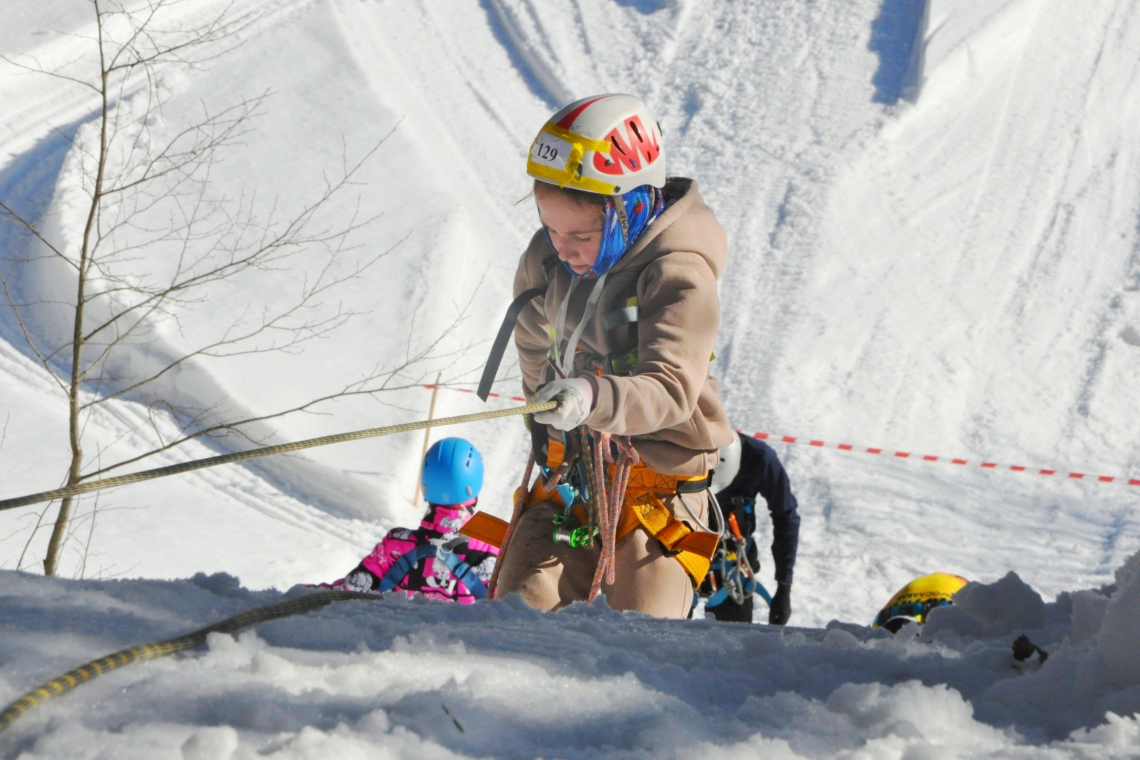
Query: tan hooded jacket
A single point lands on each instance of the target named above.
(655, 385)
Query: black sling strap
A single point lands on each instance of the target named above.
(499, 347)
(694, 486)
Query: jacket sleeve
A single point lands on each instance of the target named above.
(776, 489)
(532, 333)
(678, 318)
(380, 560)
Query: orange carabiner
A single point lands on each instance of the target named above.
(734, 526)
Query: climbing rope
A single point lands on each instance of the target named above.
(610, 503)
(241, 456)
(520, 505)
(70, 680)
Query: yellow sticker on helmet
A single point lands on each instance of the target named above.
(556, 154)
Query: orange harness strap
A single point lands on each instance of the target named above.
(694, 549)
(644, 508)
(486, 528)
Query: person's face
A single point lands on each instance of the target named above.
(575, 229)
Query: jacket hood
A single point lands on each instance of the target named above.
(686, 224)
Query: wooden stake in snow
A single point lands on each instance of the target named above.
(427, 440)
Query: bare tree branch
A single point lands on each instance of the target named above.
(378, 381)
(21, 221)
(156, 240)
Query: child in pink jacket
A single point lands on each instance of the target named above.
(434, 560)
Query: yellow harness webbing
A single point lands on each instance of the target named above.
(694, 549)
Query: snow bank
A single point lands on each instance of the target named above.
(413, 678)
(993, 609)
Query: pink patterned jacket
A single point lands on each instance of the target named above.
(436, 575)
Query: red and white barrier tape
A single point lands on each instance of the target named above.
(469, 390)
(895, 454)
(949, 460)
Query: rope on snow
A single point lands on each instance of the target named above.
(73, 678)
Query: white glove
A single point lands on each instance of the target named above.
(575, 397)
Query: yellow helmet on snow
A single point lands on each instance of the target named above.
(916, 599)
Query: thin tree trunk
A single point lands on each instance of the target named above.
(51, 560)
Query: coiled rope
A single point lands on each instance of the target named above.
(70, 680)
(241, 456)
(612, 502)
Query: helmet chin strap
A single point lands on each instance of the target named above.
(619, 208)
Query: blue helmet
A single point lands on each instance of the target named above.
(453, 472)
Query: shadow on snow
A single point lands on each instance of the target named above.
(897, 37)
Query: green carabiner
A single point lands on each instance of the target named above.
(582, 537)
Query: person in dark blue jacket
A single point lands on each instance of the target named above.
(749, 468)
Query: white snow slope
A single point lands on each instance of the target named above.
(957, 277)
(421, 679)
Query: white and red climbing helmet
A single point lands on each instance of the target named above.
(606, 144)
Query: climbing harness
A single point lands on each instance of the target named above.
(241, 456)
(445, 553)
(565, 357)
(70, 680)
(603, 506)
(632, 500)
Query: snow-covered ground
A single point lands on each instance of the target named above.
(956, 277)
(421, 679)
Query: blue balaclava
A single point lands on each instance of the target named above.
(642, 205)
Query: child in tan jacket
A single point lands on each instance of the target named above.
(621, 339)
